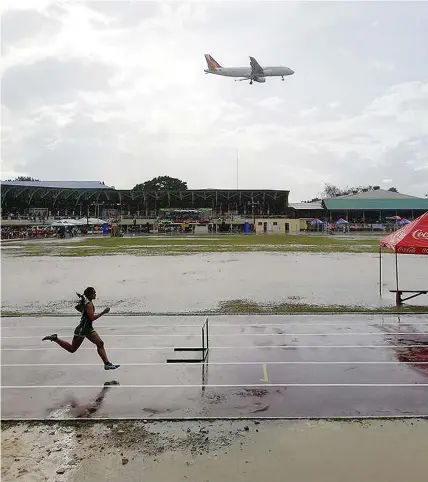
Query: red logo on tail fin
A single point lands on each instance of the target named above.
(212, 64)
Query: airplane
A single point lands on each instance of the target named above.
(254, 73)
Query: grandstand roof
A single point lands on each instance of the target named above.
(21, 195)
(317, 205)
(58, 184)
(376, 200)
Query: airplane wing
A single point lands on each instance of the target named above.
(255, 66)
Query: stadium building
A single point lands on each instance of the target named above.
(94, 198)
(374, 206)
(34, 202)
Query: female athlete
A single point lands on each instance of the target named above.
(85, 328)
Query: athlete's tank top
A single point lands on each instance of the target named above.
(85, 321)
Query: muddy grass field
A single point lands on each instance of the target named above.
(215, 451)
(179, 245)
(224, 274)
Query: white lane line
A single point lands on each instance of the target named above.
(249, 347)
(196, 365)
(200, 385)
(218, 325)
(197, 335)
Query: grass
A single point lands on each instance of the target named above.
(249, 307)
(242, 306)
(248, 240)
(147, 245)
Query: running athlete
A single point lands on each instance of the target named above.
(85, 328)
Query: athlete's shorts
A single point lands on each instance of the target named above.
(83, 331)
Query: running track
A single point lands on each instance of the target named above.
(258, 366)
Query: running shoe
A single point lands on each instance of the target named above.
(53, 337)
(110, 366)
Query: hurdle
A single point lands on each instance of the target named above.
(200, 349)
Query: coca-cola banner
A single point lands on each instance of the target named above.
(419, 234)
(410, 239)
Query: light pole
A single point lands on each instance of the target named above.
(87, 219)
(253, 213)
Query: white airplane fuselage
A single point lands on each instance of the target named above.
(255, 72)
(246, 71)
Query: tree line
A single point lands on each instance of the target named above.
(330, 190)
(162, 183)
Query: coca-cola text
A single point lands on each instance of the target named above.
(419, 234)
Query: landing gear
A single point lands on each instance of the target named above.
(282, 78)
(251, 82)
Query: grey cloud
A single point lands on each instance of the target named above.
(415, 104)
(56, 9)
(74, 151)
(51, 81)
(19, 25)
(124, 13)
(163, 121)
(354, 169)
(399, 164)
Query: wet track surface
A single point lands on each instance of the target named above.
(257, 366)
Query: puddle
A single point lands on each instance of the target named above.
(199, 282)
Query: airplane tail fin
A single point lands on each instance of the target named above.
(212, 64)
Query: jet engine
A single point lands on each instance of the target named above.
(260, 79)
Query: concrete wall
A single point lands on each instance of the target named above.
(304, 223)
(273, 225)
(277, 226)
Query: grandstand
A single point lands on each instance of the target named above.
(374, 206)
(40, 200)
(94, 198)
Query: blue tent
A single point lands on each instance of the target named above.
(341, 221)
(403, 221)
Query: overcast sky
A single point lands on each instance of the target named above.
(115, 91)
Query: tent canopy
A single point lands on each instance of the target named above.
(403, 221)
(92, 221)
(410, 239)
(64, 222)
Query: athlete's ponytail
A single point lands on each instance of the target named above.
(81, 303)
(89, 292)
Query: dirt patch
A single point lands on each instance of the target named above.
(184, 451)
(216, 398)
(253, 392)
(154, 439)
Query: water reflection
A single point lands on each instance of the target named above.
(414, 351)
(72, 408)
(411, 349)
(205, 374)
